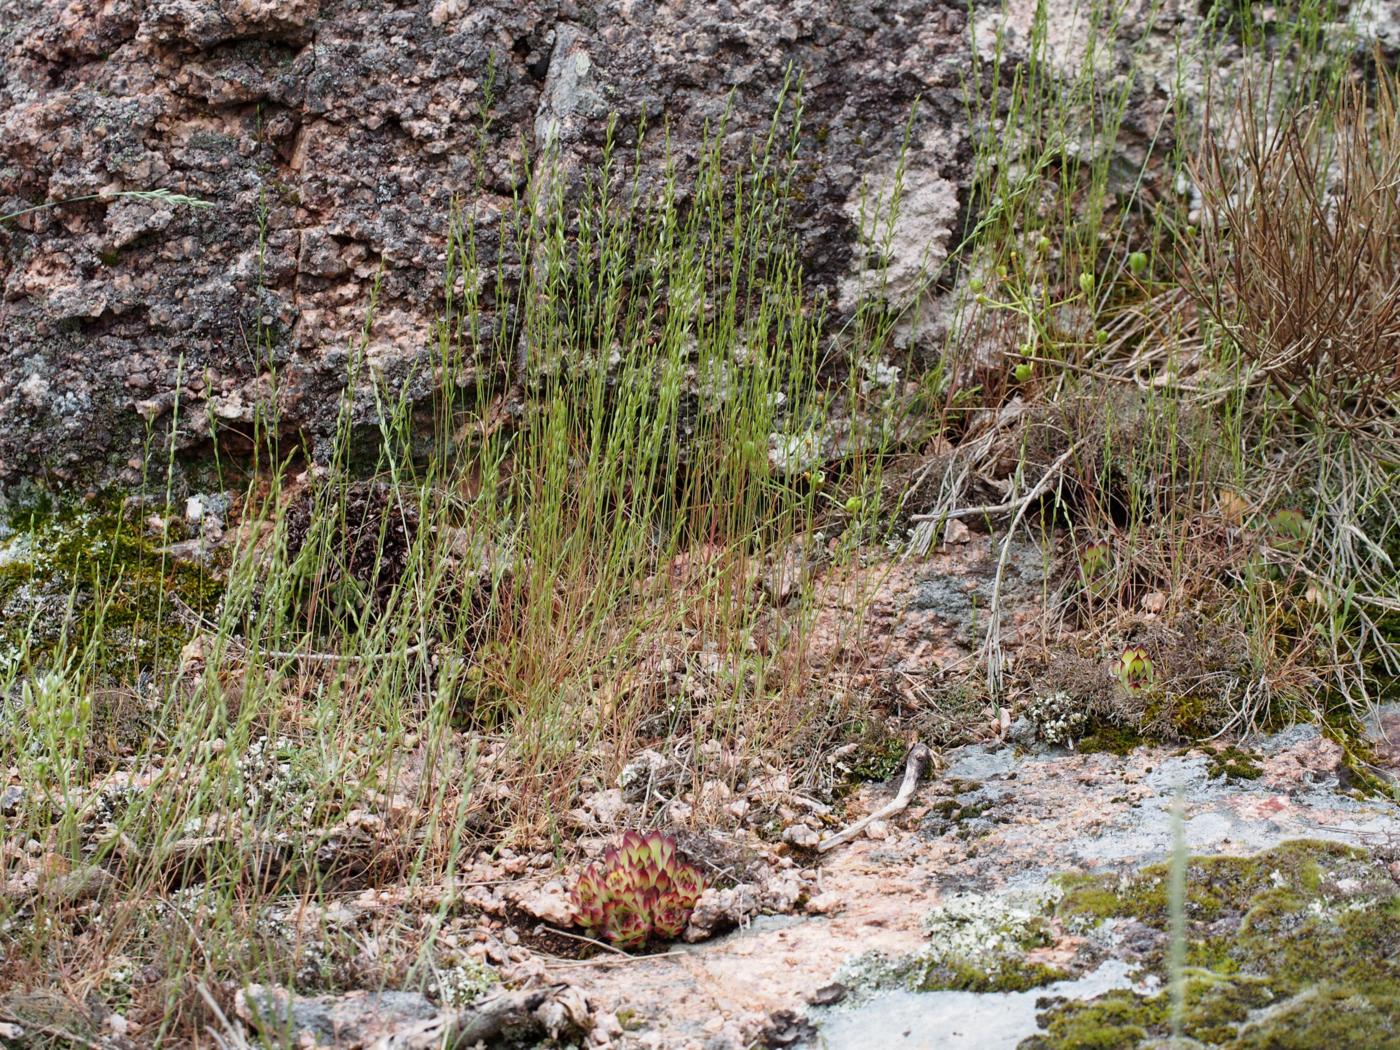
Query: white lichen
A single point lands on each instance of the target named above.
(984, 928)
(464, 982)
(1058, 718)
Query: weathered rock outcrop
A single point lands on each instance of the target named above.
(333, 137)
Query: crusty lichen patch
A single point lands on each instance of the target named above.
(976, 943)
(1298, 946)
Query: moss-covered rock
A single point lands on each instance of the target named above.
(90, 589)
(1234, 763)
(1359, 769)
(1326, 1016)
(1112, 739)
(1298, 946)
(1006, 974)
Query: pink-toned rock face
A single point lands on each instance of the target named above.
(333, 136)
(1386, 736)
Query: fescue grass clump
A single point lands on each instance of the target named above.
(1300, 253)
(441, 646)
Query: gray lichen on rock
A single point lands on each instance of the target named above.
(335, 138)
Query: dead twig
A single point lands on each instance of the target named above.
(917, 763)
(612, 960)
(959, 467)
(992, 648)
(586, 940)
(986, 509)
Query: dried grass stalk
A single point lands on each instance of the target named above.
(1299, 255)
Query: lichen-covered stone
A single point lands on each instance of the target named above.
(976, 943)
(1297, 946)
(334, 137)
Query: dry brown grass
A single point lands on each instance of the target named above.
(1299, 258)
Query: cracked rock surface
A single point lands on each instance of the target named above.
(334, 136)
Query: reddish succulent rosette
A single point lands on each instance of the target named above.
(640, 889)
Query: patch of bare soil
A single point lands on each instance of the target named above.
(915, 620)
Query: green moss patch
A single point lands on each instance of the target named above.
(951, 812)
(1111, 739)
(1234, 763)
(1004, 975)
(1298, 946)
(1360, 770)
(90, 585)
(879, 760)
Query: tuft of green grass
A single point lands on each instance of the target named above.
(420, 649)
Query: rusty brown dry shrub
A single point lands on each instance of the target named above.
(1299, 254)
